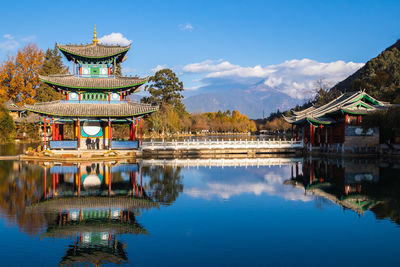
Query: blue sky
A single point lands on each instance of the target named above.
(244, 34)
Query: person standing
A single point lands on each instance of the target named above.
(88, 142)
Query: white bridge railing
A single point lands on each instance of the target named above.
(220, 144)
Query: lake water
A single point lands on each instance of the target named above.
(245, 212)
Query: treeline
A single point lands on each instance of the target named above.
(169, 121)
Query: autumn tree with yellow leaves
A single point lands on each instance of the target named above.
(19, 75)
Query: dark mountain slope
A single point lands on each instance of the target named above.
(380, 76)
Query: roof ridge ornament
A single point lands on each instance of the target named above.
(95, 41)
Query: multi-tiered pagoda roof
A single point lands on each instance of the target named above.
(92, 95)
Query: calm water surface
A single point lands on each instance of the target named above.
(272, 212)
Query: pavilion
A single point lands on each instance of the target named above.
(337, 124)
(96, 98)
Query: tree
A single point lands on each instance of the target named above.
(19, 76)
(165, 89)
(165, 183)
(7, 125)
(52, 65)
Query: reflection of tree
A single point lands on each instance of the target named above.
(19, 188)
(386, 194)
(165, 183)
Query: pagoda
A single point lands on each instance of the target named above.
(95, 99)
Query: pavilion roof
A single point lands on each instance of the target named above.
(30, 118)
(359, 103)
(112, 83)
(93, 202)
(11, 106)
(92, 51)
(114, 226)
(103, 110)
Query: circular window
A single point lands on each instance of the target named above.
(358, 131)
(91, 181)
(91, 128)
(73, 95)
(115, 96)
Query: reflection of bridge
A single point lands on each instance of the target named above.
(244, 162)
(221, 144)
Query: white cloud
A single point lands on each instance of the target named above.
(114, 38)
(9, 44)
(158, 67)
(270, 183)
(209, 66)
(225, 191)
(186, 27)
(294, 77)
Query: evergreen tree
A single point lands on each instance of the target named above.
(52, 65)
(165, 89)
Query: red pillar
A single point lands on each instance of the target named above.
(141, 182)
(59, 93)
(67, 96)
(109, 133)
(79, 180)
(141, 131)
(79, 96)
(79, 133)
(133, 130)
(110, 181)
(45, 182)
(44, 133)
(120, 96)
(54, 183)
(311, 134)
(53, 130)
(346, 119)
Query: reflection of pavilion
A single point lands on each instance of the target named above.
(93, 179)
(93, 204)
(341, 182)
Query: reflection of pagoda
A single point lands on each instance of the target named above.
(341, 182)
(93, 204)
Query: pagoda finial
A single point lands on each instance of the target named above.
(95, 36)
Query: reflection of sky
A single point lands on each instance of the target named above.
(229, 182)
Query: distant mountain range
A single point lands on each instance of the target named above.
(256, 101)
